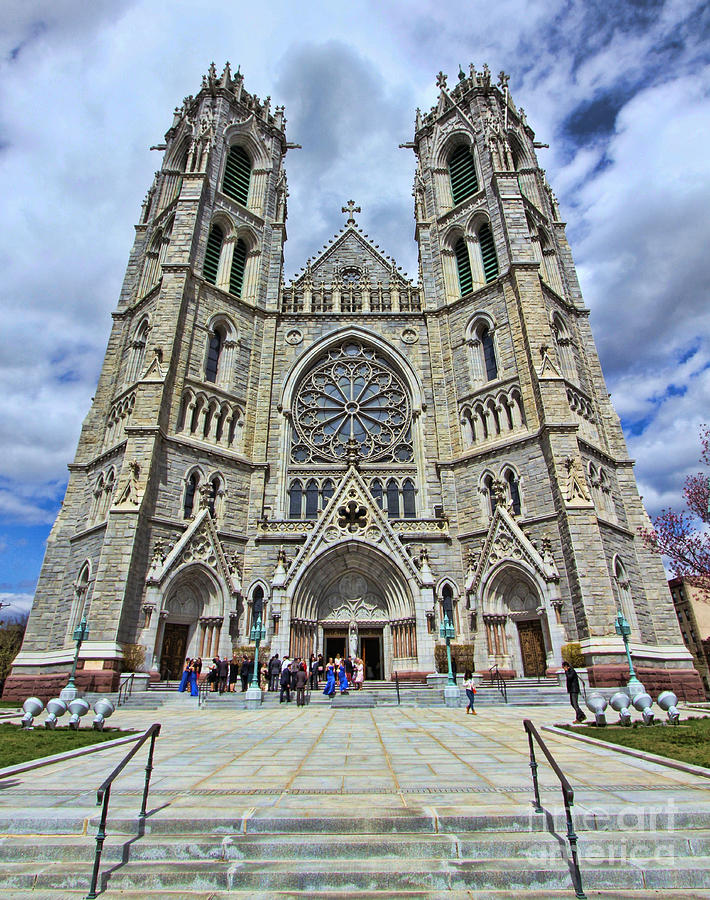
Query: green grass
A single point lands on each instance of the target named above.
(18, 746)
(10, 704)
(689, 741)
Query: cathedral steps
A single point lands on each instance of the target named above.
(410, 854)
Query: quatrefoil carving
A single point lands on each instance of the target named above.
(352, 516)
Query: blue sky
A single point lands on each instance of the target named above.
(619, 91)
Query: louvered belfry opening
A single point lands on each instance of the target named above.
(214, 248)
(462, 171)
(488, 252)
(237, 174)
(463, 264)
(236, 275)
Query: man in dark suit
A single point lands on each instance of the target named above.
(274, 672)
(285, 683)
(222, 673)
(301, 681)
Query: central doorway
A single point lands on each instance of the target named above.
(172, 657)
(334, 644)
(371, 653)
(532, 648)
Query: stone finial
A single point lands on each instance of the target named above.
(462, 74)
(503, 80)
(352, 452)
(350, 208)
(441, 81)
(418, 120)
(226, 80)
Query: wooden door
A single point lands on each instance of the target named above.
(532, 648)
(172, 658)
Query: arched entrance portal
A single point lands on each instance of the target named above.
(353, 600)
(516, 625)
(190, 621)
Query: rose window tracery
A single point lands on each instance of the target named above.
(352, 393)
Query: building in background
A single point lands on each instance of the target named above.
(692, 606)
(351, 453)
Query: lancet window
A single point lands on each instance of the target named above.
(81, 595)
(237, 175)
(462, 173)
(191, 487)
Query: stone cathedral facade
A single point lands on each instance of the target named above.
(351, 452)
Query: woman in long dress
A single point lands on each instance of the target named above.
(185, 676)
(359, 674)
(343, 677)
(329, 688)
(194, 690)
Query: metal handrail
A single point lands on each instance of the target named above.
(567, 796)
(103, 795)
(396, 682)
(125, 689)
(499, 681)
(202, 693)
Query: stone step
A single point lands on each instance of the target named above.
(207, 894)
(356, 875)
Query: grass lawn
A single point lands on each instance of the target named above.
(18, 746)
(689, 741)
(10, 704)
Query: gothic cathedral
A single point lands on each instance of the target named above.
(350, 454)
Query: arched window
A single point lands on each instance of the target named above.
(463, 267)
(237, 175)
(327, 491)
(98, 498)
(214, 496)
(408, 499)
(447, 603)
(81, 593)
(623, 590)
(513, 491)
(488, 252)
(191, 486)
(462, 172)
(236, 274)
(257, 604)
(312, 499)
(213, 353)
(212, 254)
(137, 354)
(392, 499)
(563, 343)
(295, 496)
(489, 494)
(489, 353)
(376, 491)
(109, 486)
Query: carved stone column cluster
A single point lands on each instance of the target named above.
(210, 630)
(495, 635)
(404, 639)
(303, 638)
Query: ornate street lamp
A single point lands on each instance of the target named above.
(446, 630)
(257, 634)
(623, 629)
(81, 633)
(452, 695)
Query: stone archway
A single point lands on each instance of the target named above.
(516, 635)
(354, 599)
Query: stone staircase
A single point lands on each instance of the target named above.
(414, 852)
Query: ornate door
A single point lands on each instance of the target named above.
(172, 659)
(532, 648)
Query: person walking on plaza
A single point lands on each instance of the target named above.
(470, 691)
(573, 689)
(329, 688)
(274, 672)
(301, 681)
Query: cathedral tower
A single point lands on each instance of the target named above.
(351, 454)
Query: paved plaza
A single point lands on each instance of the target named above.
(245, 769)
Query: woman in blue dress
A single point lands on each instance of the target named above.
(185, 676)
(329, 688)
(342, 674)
(194, 690)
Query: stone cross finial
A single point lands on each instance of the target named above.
(441, 81)
(350, 208)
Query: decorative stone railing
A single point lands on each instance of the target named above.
(583, 410)
(119, 417)
(290, 526)
(411, 527)
(211, 418)
(488, 416)
(334, 298)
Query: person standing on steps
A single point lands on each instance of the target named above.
(573, 689)
(470, 691)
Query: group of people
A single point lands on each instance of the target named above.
(284, 675)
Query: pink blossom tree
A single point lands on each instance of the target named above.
(684, 537)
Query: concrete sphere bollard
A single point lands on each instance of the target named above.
(597, 703)
(32, 707)
(642, 702)
(55, 708)
(103, 709)
(78, 708)
(668, 702)
(621, 702)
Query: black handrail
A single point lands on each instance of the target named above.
(499, 681)
(396, 682)
(567, 796)
(103, 795)
(125, 689)
(202, 693)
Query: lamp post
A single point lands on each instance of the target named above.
(253, 695)
(452, 694)
(81, 633)
(623, 629)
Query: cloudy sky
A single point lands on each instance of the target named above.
(619, 91)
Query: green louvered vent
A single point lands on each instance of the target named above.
(239, 261)
(214, 248)
(463, 174)
(237, 173)
(488, 253)
(463, 265)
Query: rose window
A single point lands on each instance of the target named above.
(352, 393)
